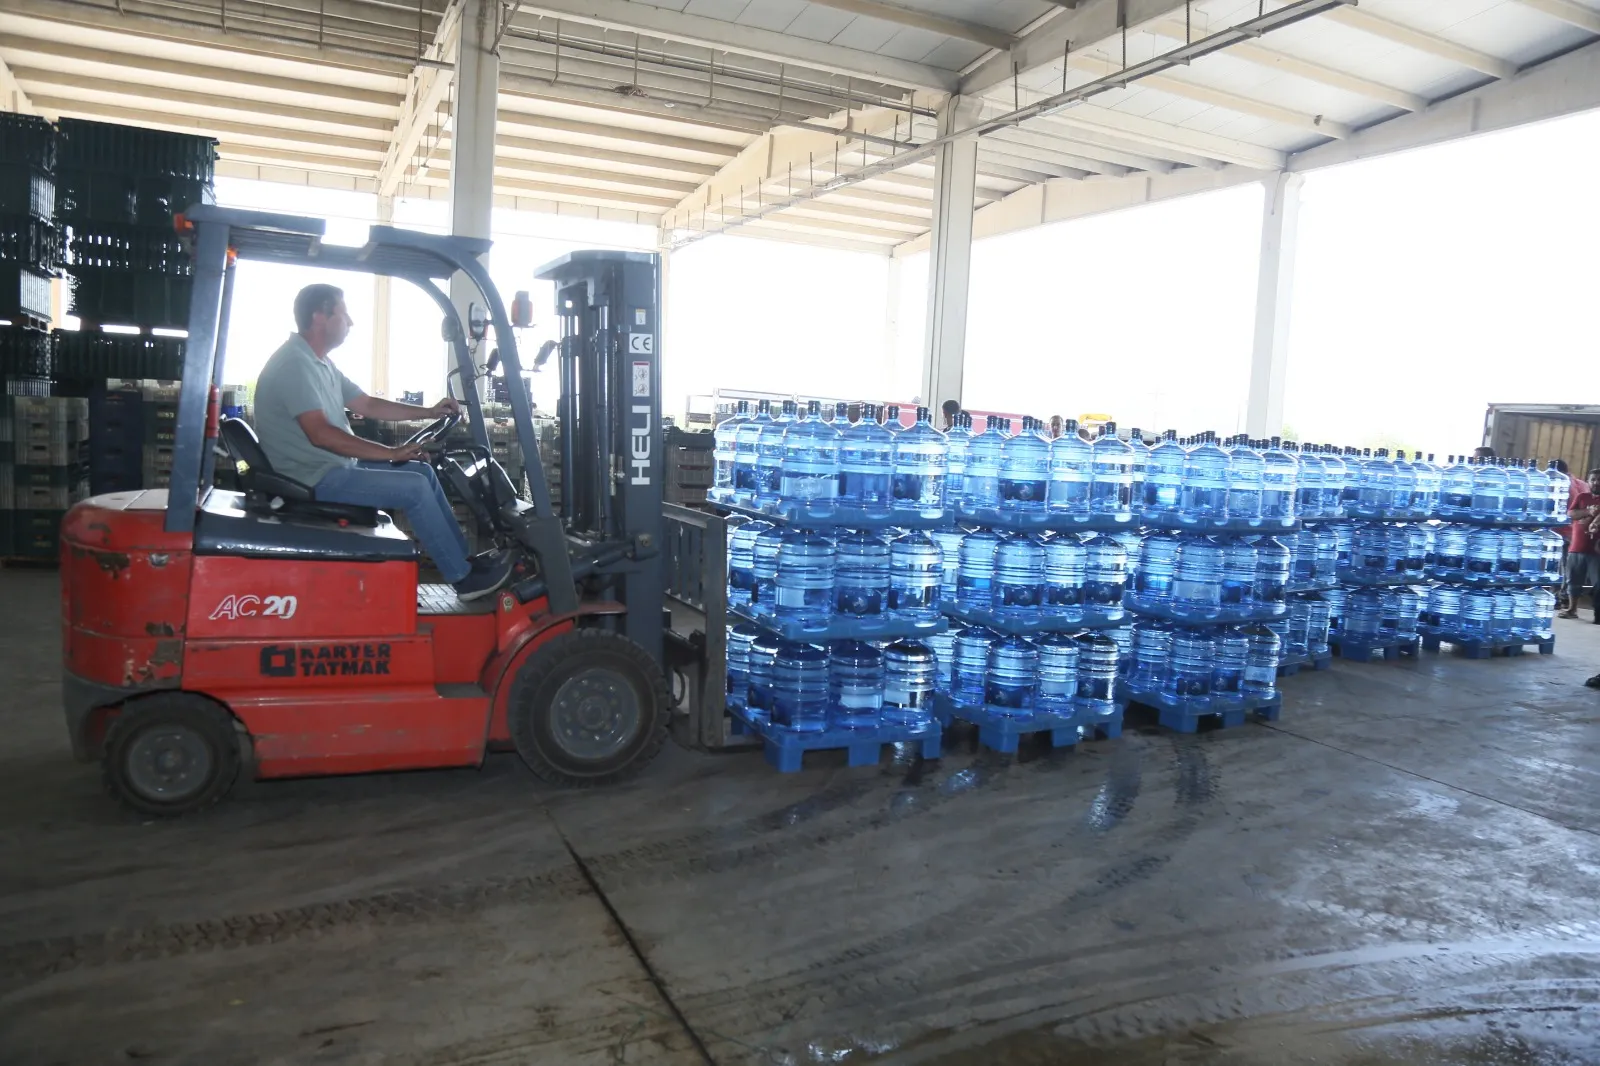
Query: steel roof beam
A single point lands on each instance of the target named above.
(1085, 25)
(208, 127)
(1566, 85)
(746, 40)
(961, 30)
(1422, 41)
(1185, 89)
(1263, 56)
(426, 87)
(194, 32)
(228, 76)
(69, 85)
(1568, 11)
(528, 120)
(11, 94)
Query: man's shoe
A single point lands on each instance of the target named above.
(489, 560)
(488, 580)
(1593, 682)
(1570, 612)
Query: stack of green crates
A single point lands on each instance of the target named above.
(160, 434)
(47, 471)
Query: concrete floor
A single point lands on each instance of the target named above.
(1404, 870)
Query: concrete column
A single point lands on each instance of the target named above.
(380, 313)
(950, 260)
(477, 91)
(1269, 361)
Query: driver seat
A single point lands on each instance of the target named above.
(268, 492)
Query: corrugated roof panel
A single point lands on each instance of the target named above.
(818, 23)
(911, 44)
(1514, 32)
(771, 14)
(953, 54)
(725, 10)
(867, 34)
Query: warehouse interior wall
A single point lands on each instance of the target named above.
(1145, 315)
(776, 317)
(1432, 283)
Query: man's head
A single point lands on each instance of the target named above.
(1594, 476)
(1561, 465)
(321, 318)
(1484, 452)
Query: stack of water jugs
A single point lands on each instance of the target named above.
(1214, 577)
(1255, 555)
(1495, 556)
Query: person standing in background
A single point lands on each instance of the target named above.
(949, 409)
(1580, 567)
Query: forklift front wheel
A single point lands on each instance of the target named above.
(171, 754)
(589, 708)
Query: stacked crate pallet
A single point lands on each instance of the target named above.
(30, 241)
(47, 473)
(689, 466)
(159, 425)
(120, 187)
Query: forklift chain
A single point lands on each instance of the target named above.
(30, 960)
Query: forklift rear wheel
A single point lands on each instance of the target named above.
(589, 708)
(171, 754)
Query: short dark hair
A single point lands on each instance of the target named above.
(1561, 465)
(951, 407)
(315, 299)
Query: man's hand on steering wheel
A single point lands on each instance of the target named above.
(447, 406)
(404, 453)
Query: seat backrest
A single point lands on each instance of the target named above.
(245, 447)
(256, 475)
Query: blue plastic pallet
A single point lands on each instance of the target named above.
(1541, 522)
(1290, 667)
(785, 749)
(1187, 715)
(1495, 581)
(1230, 615)
(840, 627)
(1473, 648)
(1383, 514)
(1004, 733)
(830, 516)
(1366, 580)
(1366, 651)
(989, 618)
(1244, 526)
(1042, 521)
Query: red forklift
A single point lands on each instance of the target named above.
(205, 630)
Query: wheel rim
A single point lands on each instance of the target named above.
(595, 713)
(168, 763)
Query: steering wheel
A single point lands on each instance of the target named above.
(434, 432)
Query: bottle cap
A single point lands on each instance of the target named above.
(922, 414)
(813, 408)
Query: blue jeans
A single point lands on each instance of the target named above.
(1582, 570)
(410, 487)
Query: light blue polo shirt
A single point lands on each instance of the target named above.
(294, 381)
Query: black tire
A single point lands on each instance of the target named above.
(589, 708)
(171, 754)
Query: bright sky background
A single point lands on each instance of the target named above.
(1428, 285)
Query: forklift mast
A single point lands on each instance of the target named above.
(612, 464)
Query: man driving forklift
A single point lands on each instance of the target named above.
(300, 403)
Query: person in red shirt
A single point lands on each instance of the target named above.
(1581, 560)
